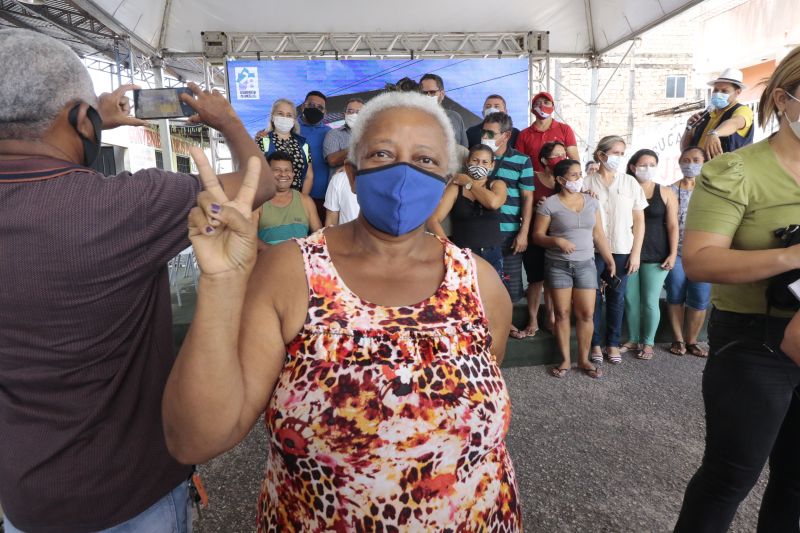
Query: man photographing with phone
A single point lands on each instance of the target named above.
(86, 343)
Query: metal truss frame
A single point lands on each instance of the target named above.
(266, 45)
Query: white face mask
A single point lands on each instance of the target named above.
(646, 173)
(794, 124)
(613, 162)
(350, 120)
(491, 143)
(283, 124)
(489, 110)
(574, 186)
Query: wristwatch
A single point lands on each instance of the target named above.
(468, 186)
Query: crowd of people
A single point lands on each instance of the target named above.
(492, 204)
(373, 347)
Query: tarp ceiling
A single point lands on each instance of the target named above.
(577, 27)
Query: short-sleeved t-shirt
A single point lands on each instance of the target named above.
(335, 141)
(576, 227)
(341, 198)
(457, 121)
(86, 341)
(315, 136)
(716, 117)
(618, 201)
(745, 195)
(531, 140)
(515, 169)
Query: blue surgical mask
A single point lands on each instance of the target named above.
(720, 100)
(398, 198)
(691, 170)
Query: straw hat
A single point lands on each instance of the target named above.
(730, 75)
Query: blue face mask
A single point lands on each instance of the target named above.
(398, 198)
(720, 100)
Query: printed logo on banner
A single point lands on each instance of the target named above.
(246, 83)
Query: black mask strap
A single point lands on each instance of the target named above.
(91, 147)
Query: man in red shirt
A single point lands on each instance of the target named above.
(543, 130)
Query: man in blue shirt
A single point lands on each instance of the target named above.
(314, 130)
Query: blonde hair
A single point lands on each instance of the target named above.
(606, 143)
(786, 77)
(275, 104)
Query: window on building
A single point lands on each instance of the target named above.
(184, 164)
(159, 160)
(676, 86)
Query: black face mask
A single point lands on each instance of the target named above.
(91, 147)
(312, 115)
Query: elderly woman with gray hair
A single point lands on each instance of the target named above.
(373, 348)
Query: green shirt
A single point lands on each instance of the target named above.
(745, 195)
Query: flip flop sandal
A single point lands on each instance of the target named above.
(594, 373)
(677, 348)
(696, 350)
(558, 372)
(645, 355)
(628, 347)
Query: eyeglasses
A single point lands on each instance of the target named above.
(489, 134)
(430, 93)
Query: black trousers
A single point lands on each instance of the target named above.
(751, 392)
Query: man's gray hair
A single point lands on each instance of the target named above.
(407, 100)
(40, 77)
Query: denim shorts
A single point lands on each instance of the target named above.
(570, 274)
(681, 290)
(170, 514)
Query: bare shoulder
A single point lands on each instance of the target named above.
(278, 281)
(493, 292)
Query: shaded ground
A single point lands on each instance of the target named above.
(591, 456)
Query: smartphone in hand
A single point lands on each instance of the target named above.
(612, 281)
(161, 103)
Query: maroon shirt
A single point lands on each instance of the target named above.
(85, 341)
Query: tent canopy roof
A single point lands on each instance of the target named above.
(577, 27)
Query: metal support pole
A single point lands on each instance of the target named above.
(163, 124)
(213, 135)
(530, 86)
(631, 96)
(119, 67)
(591, 138)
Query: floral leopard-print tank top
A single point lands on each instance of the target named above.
(389, 418)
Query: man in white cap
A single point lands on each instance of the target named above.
(725, 125)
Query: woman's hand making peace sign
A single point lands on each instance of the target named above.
(223, 231)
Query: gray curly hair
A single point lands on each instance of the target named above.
(41, 76)
(408, 100)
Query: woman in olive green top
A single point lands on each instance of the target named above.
(750, 387)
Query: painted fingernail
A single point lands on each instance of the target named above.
(209, 229)
(216, 208)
